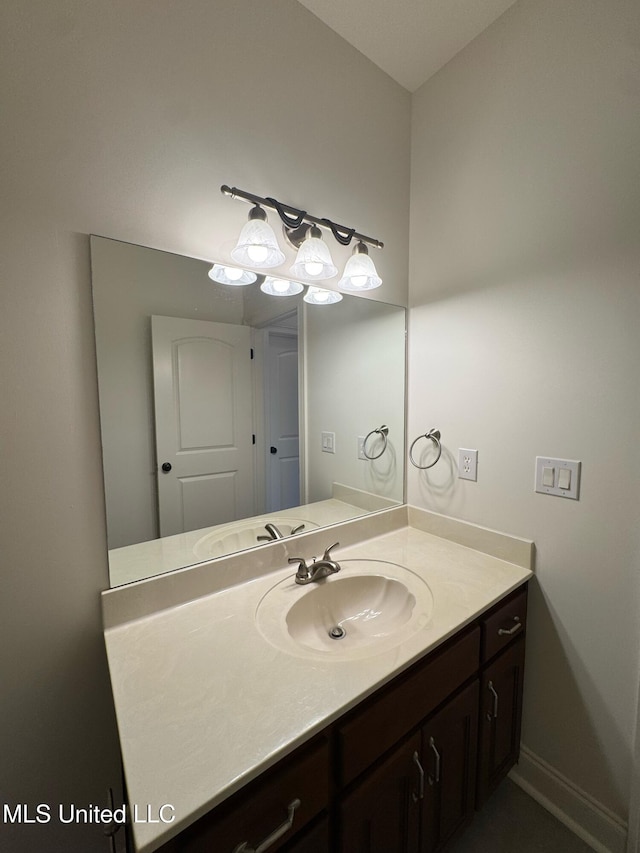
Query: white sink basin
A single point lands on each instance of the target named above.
(370, 606)
(242, 535)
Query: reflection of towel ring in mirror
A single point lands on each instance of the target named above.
(434, 435)
(382, 431)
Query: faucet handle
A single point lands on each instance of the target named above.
(303, 568)
(329, 549)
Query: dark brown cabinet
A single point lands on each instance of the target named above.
(383, 813)
(449, 744)
(401, 773)
(500, 718)
(272, 809)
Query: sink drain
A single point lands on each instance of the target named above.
(337, 633)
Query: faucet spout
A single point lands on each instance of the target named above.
(273, 531)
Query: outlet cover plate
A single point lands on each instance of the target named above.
(467, 464)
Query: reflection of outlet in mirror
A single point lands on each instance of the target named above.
(467, 464)
(328, 442)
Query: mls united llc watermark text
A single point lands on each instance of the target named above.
(21, 813)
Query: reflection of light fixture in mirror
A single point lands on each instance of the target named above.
(360, 271)
(231, 275)
(313, 261)
(281, 286)
(317, 296)
(257, 245)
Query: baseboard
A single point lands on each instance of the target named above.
(595, 824)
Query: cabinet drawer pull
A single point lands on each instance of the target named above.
(420, 794)
(495, 701)
(510, 631)
(275, 835)
(436, 776)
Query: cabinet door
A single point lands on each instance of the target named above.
(314, 840)
(449, 746)
(500, 718)
(382, 815)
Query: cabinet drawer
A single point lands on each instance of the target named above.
(391, 714)
(504, 624)
(263, 806)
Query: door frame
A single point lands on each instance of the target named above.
(260, 339)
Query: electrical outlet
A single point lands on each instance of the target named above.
(467, 464)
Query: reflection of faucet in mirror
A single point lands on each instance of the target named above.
(275, 532)
(316, 569)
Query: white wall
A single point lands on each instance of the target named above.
(525, 218)
(124, 119)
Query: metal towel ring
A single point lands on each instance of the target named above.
(434, 435)
(384, 432)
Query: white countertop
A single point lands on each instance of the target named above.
(204, 703)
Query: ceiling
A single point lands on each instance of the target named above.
(409, 39)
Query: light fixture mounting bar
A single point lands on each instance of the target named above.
(293, 217)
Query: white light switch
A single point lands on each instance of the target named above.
(564, 478)
(560, 477)
(328, 442)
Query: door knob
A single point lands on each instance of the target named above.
(274, 449)
(166, 467)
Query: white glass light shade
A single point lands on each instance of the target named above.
(317, 296)
(257, 245)
(231, 275)
(281, 286)
(313, 261)
(359, 272)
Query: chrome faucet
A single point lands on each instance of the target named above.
(273, 531)
(276, 533)
(316, 569)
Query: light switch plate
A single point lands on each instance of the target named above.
(328, 442)
(563, 470)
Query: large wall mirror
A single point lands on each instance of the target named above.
(230, 417)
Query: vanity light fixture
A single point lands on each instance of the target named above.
(231, 275)
(313, 261)
(360, 271)
(281, 286)
(317, 296)
(302, 231)
(257, 245)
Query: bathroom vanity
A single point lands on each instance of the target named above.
(259, 747)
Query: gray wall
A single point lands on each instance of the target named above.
(363, 393)
(124, 119)
(129, 285)
(525, 301)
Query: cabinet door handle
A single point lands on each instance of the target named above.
(495, 701)
(436, 776)
(274, 836)
(510, 631)
(420, 794)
